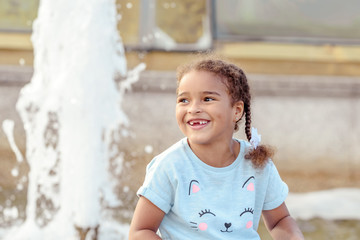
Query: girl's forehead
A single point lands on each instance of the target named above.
(203, 76)
(201, 80)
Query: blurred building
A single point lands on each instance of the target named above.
(277, 36)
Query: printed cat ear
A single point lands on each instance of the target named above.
(194, 187)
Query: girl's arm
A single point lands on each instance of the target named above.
(281, 225)
(146, 220)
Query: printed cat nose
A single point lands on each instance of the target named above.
(227, 225)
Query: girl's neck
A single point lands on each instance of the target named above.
(219, 155)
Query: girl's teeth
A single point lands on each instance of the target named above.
(200, 122)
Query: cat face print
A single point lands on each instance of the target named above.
(229, 216)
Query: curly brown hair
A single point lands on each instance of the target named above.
(238, 88)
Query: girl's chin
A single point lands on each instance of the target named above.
(198, 140)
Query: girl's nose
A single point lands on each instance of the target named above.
(194, 108)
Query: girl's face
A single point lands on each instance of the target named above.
(204, 111)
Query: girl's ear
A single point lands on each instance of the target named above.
(239, 110)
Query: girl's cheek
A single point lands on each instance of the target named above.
(203, 226)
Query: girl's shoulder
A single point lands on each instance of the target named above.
(173, 155)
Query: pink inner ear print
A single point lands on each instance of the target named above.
(250, 187)
(195, 188)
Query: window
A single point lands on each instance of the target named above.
(17, 15)
(166, 24)
(322, 21)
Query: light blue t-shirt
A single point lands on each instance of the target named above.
(204, 202)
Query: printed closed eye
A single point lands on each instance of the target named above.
(249, 223)
(206, 211)
(247, 210)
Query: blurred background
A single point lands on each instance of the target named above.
(302, 58)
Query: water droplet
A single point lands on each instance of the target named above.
(125, 133)
(23, 179)
(129, 5)
(11, 213)
(19, 187)
(157, 35)
(15, 172)
(118, 17)
(148, 149)
(126, 189)
(22, 61)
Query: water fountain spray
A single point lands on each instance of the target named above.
(71, 111)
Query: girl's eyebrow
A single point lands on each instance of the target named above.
(205, 92)
(211, 93)
(181, 94)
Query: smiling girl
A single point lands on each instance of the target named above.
(210, 185)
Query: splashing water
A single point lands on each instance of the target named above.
(72, 116)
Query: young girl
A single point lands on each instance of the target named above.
(210, 185)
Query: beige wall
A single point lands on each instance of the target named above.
(313, 121)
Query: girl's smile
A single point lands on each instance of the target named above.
(198, 123)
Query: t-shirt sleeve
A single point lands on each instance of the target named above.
(157, 186)
(277, 190)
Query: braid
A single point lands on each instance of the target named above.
(247, 121)
(261, 155)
